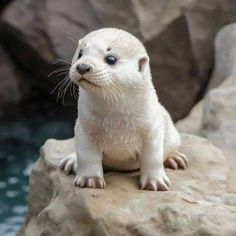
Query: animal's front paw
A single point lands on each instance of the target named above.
(158, 182)
(69, 164)
(176, 161)
(89, 182)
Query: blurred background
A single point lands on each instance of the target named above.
(179, 37)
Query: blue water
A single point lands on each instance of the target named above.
(20, 140)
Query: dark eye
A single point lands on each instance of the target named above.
(80, 54)
(111, 60)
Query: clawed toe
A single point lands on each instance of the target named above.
(155, 184)
(68, 165)
(89, 182)
(177, 161)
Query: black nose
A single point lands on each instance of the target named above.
(83, 68)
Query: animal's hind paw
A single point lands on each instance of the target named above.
(176, 161)
(69, 164)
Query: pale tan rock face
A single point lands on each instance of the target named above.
(215, 116)
(219, 117)
(197, 204)
(193, 123)
(225, 57)
(224, 76)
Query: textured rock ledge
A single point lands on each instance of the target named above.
(198, 203)
(215, 116)
(224, 83)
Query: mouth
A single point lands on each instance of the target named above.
(88, 82)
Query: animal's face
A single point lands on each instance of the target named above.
(109, 61)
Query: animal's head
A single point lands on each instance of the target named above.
(109, 60)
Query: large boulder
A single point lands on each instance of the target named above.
(55, 205)
(169, 29)
(53, 23)
(205, 18)
(219, 116)
(225, 56)
(214, 117)
(193, 123)
(45, 32)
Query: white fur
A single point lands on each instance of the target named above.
(119, 118)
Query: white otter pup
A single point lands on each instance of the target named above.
(120, 118)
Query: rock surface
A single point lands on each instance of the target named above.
(219, 116)
(46, 27)
(3, 4)
(215, 116)
(12, 89)
(180, 46)
(198, 203)
(225, 56)
(193, 123)
(205, 18)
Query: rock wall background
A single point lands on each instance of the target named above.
(179, 36)
(215, 116)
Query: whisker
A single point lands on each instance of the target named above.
(72, 39)
(65, 80)
(58, 60)
(118, 93)
(64, 92)
(61, 90)
(71, 86)
(75, 91)
(61, 69)
(63, 86)
(58, 85)
(97, 72)
(62, 73)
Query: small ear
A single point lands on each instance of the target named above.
(142, 63)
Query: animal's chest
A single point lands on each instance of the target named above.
(118, 136)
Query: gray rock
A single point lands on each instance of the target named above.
(178, 35)
(160, 24)
(211, 115)
(191, 124)
(55, 205)
(215, 116)
(224, 77)
(173, 68)
(12, 88)
(219, 116)
(3, 4)
(52, 22)
(205, 18)
(225, 56)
